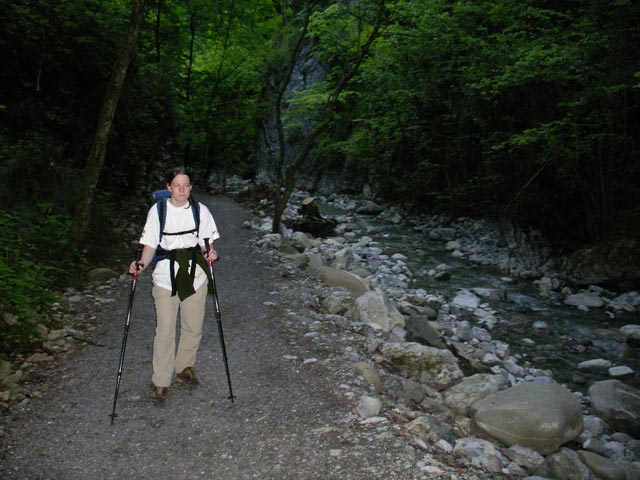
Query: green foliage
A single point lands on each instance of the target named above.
(34, 262)
(519, 108)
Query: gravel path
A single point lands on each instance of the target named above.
(291, 419)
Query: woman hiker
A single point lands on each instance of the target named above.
(175, 233)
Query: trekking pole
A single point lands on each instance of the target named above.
(219, 323)
(124, 342)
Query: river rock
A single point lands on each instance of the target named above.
(432, 366)
(633, 340)
(618, 404)
(420, 329)
(525, 457)
(370, 374)
(629, 329)
(481, 453)
(101, 275)
(430, 429)
(593, 426)
(620, 371)
(584, 299)
(466, 299)
(565, 464)
(539, 416)
(459, 397)
(368, 207)
(444, 234)
(595, 364)
(368, 406)
(340, 278)
(628, 302)
(337, 302)
(602, 467)
(374, 307)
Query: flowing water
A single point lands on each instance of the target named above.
(571, 336)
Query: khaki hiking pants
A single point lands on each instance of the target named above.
(166, 360)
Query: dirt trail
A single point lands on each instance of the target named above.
(289, 420)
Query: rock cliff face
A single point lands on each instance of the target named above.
(307, 71)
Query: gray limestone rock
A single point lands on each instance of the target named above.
(535, 415)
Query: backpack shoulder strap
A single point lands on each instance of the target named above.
(161, 206)
(195, 209)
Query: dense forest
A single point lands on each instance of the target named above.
(523, 110)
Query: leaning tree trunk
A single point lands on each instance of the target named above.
(95, 160)
(285, 181)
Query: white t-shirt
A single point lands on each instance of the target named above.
(179, 219)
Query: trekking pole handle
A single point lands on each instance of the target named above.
(206, 244)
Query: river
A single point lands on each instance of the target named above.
(543, 333)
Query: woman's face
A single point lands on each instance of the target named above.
(180, 188)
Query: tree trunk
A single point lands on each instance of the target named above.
(280, 198)
(95, 161)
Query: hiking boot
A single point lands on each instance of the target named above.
(188, 376)
(159, 394)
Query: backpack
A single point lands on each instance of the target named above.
(161, 206)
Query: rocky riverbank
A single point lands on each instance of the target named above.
(431, 366)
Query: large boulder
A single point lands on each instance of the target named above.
(608, 262)
(374, 307)
(535, 415)
(431, 366)
(618, 404)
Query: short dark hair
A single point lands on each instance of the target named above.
(175, 171)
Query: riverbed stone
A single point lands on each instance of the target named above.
(633, 340)
(370, 374)
(539, 416)
(337, 302)
(620, 371)
(420, 329)
(481, 453)
(565, 464)
(430, 429)
(434, 367)
(340, 278)
(374, 307)
(466, 299)
(593, 426)
(444, 234)
(368, 406)
(595, 364)
(618, 404)
(525, 457)
(584, 299)
(629, 329)
(602, 467)
(459, 397)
